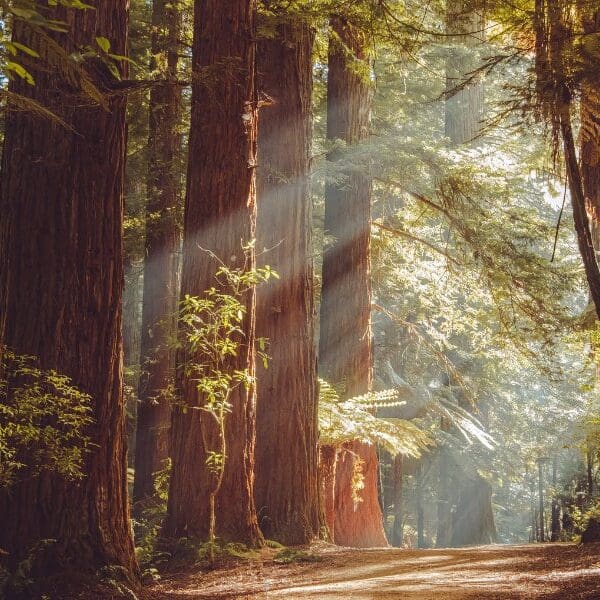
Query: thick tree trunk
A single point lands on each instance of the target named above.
(220, 213)
(345, 351)
(160, 259)
(61, 278)
(286, 489)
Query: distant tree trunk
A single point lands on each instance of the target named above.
(61, 278)
(345, 351)
(398, 527)
(555, 522)
(542, 528)
(474, 520)
(589, 463)
(444, 506)
(220, 214)
(419, 507)
(160, 259)
(465, 97)
(286, 487)
(131, 341)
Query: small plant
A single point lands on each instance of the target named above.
(151, 513)
(290, 555)
(213, 334)
(43, 421)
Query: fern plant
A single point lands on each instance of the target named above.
(343, 421)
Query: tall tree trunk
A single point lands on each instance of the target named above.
(464, 90)
(419, 507)
(398, 477)
(131, 340)
(555, 521)
(345, 351)
(473, 522)
(61, 278)
(444, 504)
(160, 259)
(286, 489)
(220, 214)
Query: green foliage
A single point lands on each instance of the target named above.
(354, 419)
(19, 581)
(289, 556)
(43, 421)
(213, 333)
(151, 513)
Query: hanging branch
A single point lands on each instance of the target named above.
(555, 69)
(580, 217)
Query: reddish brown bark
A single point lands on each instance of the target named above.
(286, 491)
(61, 279)
(160, 260)
(220, 214)
(327, 467)
(590, 134)
(345, 352)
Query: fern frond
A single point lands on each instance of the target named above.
(343, 421)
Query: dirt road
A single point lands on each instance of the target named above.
(553, 571)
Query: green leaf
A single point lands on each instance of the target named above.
(103, 43)
(25, 49)
(21, 71)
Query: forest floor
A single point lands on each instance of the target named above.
(551, 571)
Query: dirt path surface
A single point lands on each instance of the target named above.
(554, 571)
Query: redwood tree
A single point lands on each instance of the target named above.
(345, 351)
(61, 279)
(220, 212)
(286, 450)
(160, 259)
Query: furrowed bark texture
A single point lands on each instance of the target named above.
(590, 134)
(160, 260)
(61, 279)
(220, 215)
(286, 490)
(345, 352)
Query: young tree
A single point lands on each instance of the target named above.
(286, 491)
(162, 244)
(219, 226)
(61, 277)
(345, 352)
